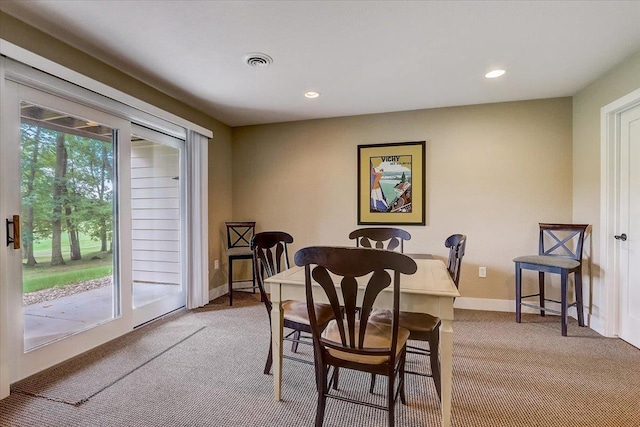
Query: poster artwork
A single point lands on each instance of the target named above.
(390, 183)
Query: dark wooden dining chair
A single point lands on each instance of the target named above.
(559, 252)
(388, 238)
(271, 256)
(239, 235)
(425, 327)
(351, 341)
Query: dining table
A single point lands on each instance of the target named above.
(429, 290)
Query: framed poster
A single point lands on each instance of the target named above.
(391, 184)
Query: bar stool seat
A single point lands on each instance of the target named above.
(549, 261)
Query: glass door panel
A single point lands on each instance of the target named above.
(67, 195)
(65, 173)
(156, 224)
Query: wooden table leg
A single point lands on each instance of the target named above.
(277, 325)
(446, 369)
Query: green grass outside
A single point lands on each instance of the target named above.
(93, 265)
(42, 248)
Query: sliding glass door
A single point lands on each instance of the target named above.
(93, 190)
(97, 210)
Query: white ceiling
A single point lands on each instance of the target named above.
(362, 56)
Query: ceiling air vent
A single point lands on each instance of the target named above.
(256, 59)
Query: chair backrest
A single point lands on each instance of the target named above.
(562, 240)
(239, 234)
(331, 266)
(388, 238)
(270, 256)
(457, 244)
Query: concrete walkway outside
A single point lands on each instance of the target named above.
(50, 320)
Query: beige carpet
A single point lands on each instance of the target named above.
(505, 374)
(85, 376)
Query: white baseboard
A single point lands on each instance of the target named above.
(218, 292)
(463, 303)
(597, 324)
(224, 290)
(490, 305)
(484, 304)
(510, 306)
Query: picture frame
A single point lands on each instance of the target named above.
(391, 183)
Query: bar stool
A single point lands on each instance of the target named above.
(239, 235)
(559, 252)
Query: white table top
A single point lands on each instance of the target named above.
(431, 278)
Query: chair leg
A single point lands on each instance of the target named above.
(321, 378)
(390, 399)
(336, 375)
(541, 290)
(577, 278)
(564, 301)
(267, 366)
(230, 279)
(294, 344)
(518, 292)
(403, 397)
(373, 383)
(253, 282)
(434, 352)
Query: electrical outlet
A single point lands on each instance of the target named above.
(482, 272)
(216, 264)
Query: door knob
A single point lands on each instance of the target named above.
(622, 237)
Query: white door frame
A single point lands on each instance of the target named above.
(4, 262)
(609, 211)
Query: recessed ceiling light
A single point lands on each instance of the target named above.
(495, 73)
(312, 94)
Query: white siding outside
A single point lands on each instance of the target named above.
(155, 204)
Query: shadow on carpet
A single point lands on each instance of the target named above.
(78, 380)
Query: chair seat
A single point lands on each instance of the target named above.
(414, 322)
(549, 261)
(239, 252)
(296, 311)
(377, 335)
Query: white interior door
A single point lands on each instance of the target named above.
(629, 302)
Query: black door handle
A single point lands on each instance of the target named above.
(13, 225)
(622, 237)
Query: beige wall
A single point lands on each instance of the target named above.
(490, 168)
(21, 34)
(493, 172)
(619, 81)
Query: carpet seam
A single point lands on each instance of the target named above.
(86, 399)
(50, 399)
(82, 401)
